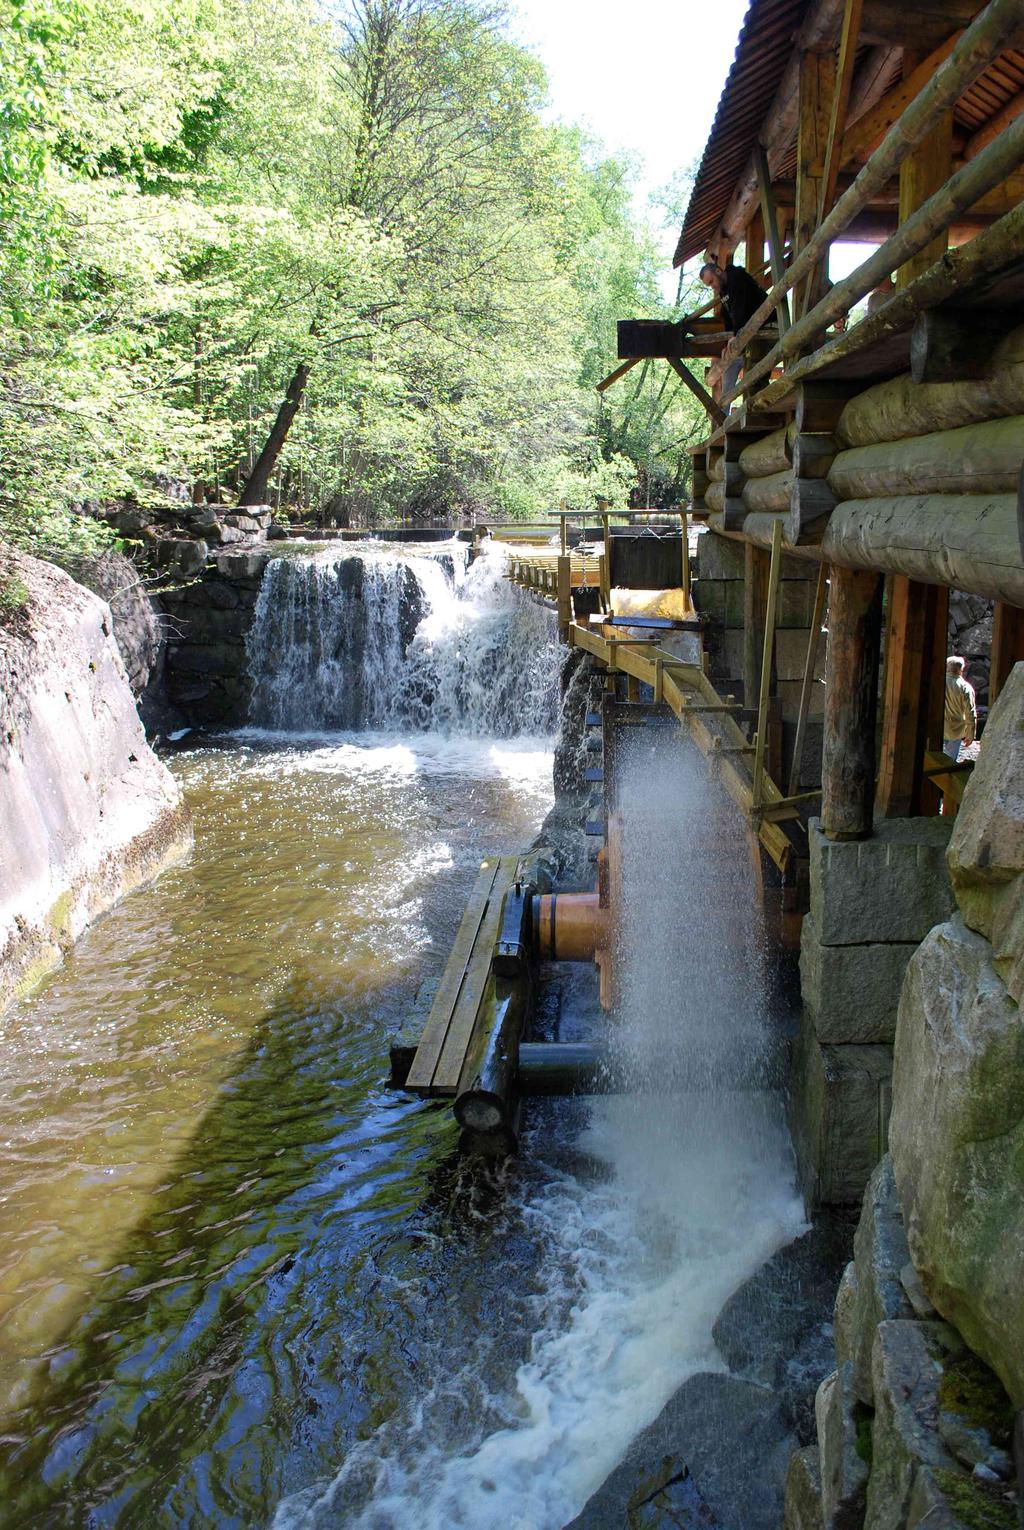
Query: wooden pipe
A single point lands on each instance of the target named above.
(571, 927)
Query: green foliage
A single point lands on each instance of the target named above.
(199, 195)
(13, 595)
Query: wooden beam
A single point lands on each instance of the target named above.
(864, 136)
(956, 345)
(807, 685)
(613, 377)
(1007, 645)
(840, 104)
(915, 663)
(771, 227)
(915, 23)
(767, 653)
(756, 575)
(817, 89)
(851, 693)
(991, 32)
(715, 410)
(922, 174)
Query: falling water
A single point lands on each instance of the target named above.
(370, 639)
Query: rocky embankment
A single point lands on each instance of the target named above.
(87, 811)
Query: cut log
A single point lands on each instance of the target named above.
(976, 459)
(955, 345)
(770, 493)
(900, 407)
(967, 541)
(768, 454)
(851, 691)
(486, 1096)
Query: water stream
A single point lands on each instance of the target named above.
(242, 1283)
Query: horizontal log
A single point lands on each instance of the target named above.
(769, 493)
(955, 345)
(968, 541)
(900, 407)
(976, 459)
(714, 495)
(768, 454)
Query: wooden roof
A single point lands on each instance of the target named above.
(762, 53)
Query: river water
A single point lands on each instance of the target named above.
(242, 1283)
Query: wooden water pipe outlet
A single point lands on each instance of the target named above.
(570, 927)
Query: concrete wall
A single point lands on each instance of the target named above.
(87, 811)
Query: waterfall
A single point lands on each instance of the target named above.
(373, 639)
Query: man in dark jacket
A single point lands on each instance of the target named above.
(741, 297)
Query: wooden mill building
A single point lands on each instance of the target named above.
(863, 470)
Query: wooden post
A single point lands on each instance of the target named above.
(757, 567)
(602, 506)
(851, 699)
(767, 648)
(563, 527)
(817, 88)
(773, 232)
(564, 595)
(1007, 645)
(810, 664)
(923, 173)
(915, 667)
(848, 37)
(684, 524)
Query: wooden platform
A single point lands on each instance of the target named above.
(449, 1032)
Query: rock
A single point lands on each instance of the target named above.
(776, 1328)
(87, 811)
(719, 557)
(180, 556)
(906, 1369)
(910, 1280)
(844, 1319)
(852, 992)
(803, 1491)
(242, 565)
(880, 1253)
(947, 1500)
(839, 1115)
(986, 851)
(956, 1138)
(841, 1455)
(277, 532)
(735, 1441)
(892, 887)
(975, 640)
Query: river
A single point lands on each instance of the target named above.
(241, 1282)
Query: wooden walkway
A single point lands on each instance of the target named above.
(449, 1033)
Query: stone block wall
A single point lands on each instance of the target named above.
(207, 671)
(922, 1421)
(872, 903)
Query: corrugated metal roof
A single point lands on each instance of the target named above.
(762, 53)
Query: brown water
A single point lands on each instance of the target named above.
(202, 1161)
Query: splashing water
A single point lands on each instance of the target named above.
(370, 639)
(678, 1191)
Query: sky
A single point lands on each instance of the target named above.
(644, 76)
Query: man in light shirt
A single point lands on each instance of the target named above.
(960, 723)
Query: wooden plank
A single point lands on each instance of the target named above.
(767, 648)
(810, 665)
(817, 88)
(421, 1074)
(1007, 645)
(756, 575)
(478, 969)
(840, 103)
(916, 625)
(851, 690)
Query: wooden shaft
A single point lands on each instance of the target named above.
(961, 191)
(766, 662)
(486, 1097)
(982, 42)
(564, 1067)
(571, 927)
(851, 698)
(810, 664)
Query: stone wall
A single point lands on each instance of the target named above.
(87, 811)
(916, 1425)
(207, 669)
(872, 903)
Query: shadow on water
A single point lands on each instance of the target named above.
(287, 1288)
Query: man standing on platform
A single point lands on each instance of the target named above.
(741, 297)
(960, 724)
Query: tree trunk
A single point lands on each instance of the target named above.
(254, 491)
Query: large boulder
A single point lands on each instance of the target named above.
(957, 1142)
(87, 811)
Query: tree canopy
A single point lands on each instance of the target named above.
(256, 249)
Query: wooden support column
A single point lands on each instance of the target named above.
(817, 90)
(851, 699)
(774, 232)
(924, 171)
(1007, 645)
(756, 576)
(754, 242)
(913, 696)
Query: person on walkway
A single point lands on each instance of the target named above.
(741, 297)
(960, 724)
